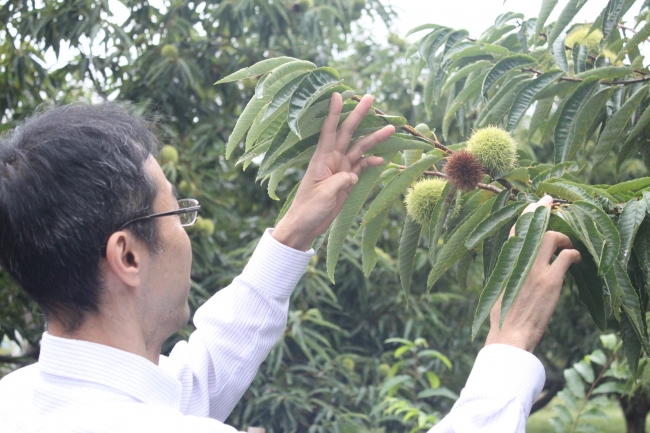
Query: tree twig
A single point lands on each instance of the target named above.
(411, 130)
(484, 186)
(621, 26)
(579, 80)
(591, 390)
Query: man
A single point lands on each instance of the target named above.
(93, 231)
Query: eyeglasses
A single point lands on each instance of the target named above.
(188, 210)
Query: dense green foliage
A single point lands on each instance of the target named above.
(569, 108)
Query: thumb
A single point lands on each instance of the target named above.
(340, 182)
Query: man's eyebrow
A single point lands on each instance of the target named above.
(174, 191)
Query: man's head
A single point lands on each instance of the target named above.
(69, 178)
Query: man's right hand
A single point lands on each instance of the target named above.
(531, 312)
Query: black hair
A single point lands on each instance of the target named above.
(69, 177)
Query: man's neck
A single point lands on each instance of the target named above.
(128, 337)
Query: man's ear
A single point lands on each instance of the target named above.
(124, 257)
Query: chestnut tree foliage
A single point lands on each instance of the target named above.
(591, 97)
(389, 344)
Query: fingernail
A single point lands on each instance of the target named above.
(354, 177)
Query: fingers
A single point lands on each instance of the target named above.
(547, 200)
(552, 242)
(363, 163)
(564, 260)
(327, 138)
(350, 124)
(364, 144)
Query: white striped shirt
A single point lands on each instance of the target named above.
(500, 391)
(79, 386)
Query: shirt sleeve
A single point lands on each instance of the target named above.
(235, 330)
(499, 393)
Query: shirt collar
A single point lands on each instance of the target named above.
(122, 371)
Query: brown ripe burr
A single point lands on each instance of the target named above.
(464, 170)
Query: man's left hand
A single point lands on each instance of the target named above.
(330, 176)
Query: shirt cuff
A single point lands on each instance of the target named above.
(276, 267)
(503, 370)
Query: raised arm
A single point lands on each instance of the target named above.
(238, 326)
(506, 377)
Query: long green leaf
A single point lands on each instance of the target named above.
(642, 250)
(371, 233)
(341, 225)
(525, 96)
(629, 186)
(477, 50)
(315, 84)
(258, 68)
(470, 91)
(400, 142)
(436, 43)
(586, 231)
(251, 111)
(492, 245)
(428, 40)
(628, 224)
(501, 273)
(616, 126)
(565, 18)
(640, 125)
(590, 288)
(559, 54)
(556, 171)
(261, 130)
(565, 128)
(525, 259)
(565, 190)
(420, 28)
(499, 110)
(504, 66)
(631, 344)
(612, 239)
(606, 73)
(586, 118)
(494, 222)
(542, 109)
(281, 98)
(611, 16)
(286, 69)
(439, 218)
(464, 72)
(387, 197)
(544, 13)
(455, 247)
(406, 254)
(630, 302)
(287, 203)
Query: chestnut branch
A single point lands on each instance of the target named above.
(411, 130)
(484, 186)
(579, 80)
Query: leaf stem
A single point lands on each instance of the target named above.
(591, 390)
